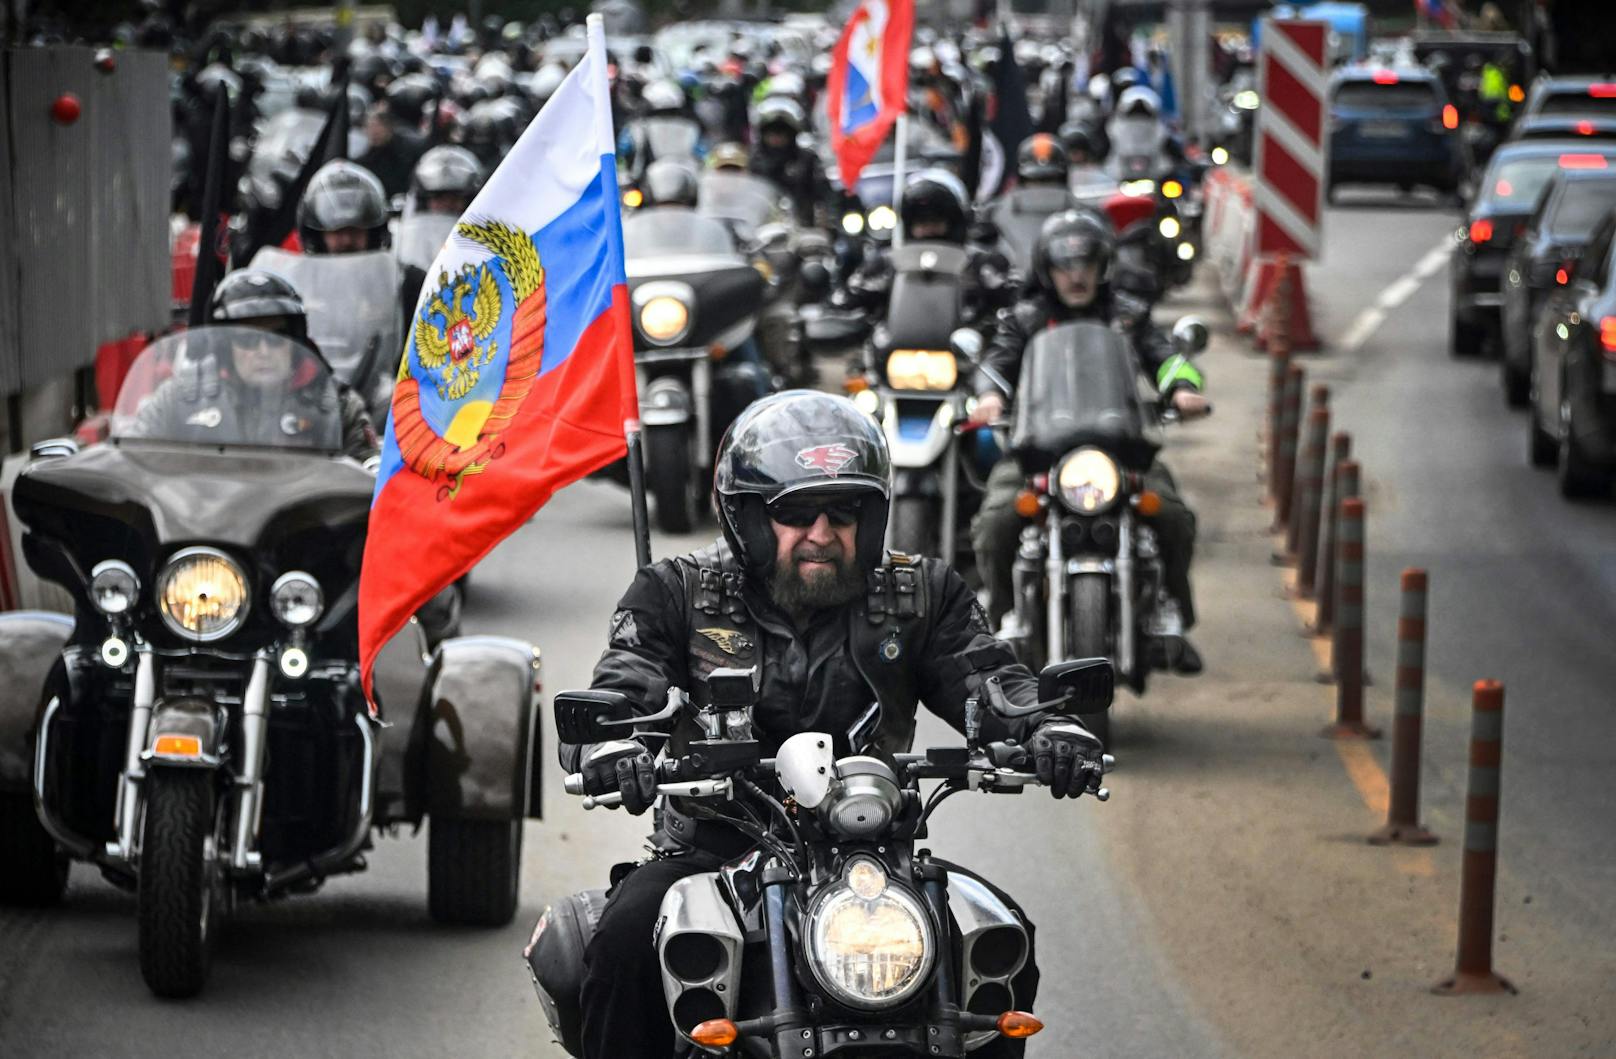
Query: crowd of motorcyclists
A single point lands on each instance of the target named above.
(347, 168)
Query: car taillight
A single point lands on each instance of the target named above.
(1387, 77)
(1585, 128)
(1607, 336)
(1450, 117)
(1481, 231)
(1583, 161)
(1561, 276)
(1602, 91)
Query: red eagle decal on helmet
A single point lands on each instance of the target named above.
(828, 458)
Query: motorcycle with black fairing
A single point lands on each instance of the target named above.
(196, 729)
(1089, 575)
(834, 935)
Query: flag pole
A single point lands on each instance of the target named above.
(900, 159)
(595, 28)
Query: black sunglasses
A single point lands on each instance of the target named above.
(802, 513)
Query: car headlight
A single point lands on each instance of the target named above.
(921, 369)
(664, 319)
(202, 594)
(296, 600)
(1169, 227)
(853, 223)
(1089, 481)
(869, 944)
(883, 219)
(113, 587)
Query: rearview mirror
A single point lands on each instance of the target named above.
(1087, 684)
(966, 343)
(1190, 336)
(593, 715)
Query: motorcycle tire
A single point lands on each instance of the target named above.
(1088, 602)
(474, 869)
(913, 529)
(178, 896)
(669, 467)
(36, 871)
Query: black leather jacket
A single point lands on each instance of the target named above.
(917, 636)
(1039, 310)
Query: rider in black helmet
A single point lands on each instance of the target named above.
(269, 331)
(343, 211)
(670, 182)
(445, 180)
(778, 156)
(802, 490)
(1041, 160)
(1072, 266)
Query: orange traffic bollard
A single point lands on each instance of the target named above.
(1290, 419)
(1303, 535)
(1403, 813)
(1279, 363)
(1340, 456)
(1347, 651)
(1473, 971)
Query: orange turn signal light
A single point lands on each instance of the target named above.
(1172, 189)
(1019, 1024)
(721, 1033)
(855, 384)
(1148, 503)
(1027, 505)
(178, 746)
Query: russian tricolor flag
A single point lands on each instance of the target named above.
(518, 371)
(868, 85)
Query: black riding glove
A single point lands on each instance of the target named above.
(1067, 757)
(622, 766)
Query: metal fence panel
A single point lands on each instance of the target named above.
(86, 247)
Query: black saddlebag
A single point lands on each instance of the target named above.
(555, 958)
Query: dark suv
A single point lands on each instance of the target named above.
(1393, 126)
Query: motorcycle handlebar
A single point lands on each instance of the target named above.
(689, 789)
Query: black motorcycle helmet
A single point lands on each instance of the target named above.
(1041, 160)
(446, 170)
(670, 182)
(1075, 136)
(409, 98)
(342, 195)
(796, 443)
(1070, 238)
(935, 194)
(257, 297)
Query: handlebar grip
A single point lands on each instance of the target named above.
(688, 789)
(574, 783)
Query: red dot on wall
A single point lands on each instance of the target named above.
(66, 109)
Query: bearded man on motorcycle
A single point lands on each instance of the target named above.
(1072, 281)
(799, 586)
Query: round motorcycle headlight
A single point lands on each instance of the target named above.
(853, 223)
(1089, 481)
(1138, 188)
(113, 587)
(664, 318)
(1169, 227)
(883, 219)
(921, 369)
(1186, 251)
(296, 599)
(1220, 156)
(868, 402)
(870, 952)
(202, 594)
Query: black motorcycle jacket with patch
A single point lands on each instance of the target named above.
(917, 635)
(1040, 310)
(988, 287)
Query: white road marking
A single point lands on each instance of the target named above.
(1400, 291)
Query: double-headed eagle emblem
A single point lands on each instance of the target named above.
(453, 345)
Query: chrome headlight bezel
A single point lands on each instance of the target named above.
(1088, 481)
(294, 589)
(841, 896)
(114, 576)
(679, 298)
(176, 565)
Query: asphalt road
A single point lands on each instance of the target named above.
(1522, 584)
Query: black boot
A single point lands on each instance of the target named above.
(1188, 663)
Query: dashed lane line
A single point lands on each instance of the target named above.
(1400, 291)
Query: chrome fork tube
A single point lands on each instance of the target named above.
(250, 782)
(140, 711)
(1055, 597)
(1125, 601)
(701, 387)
